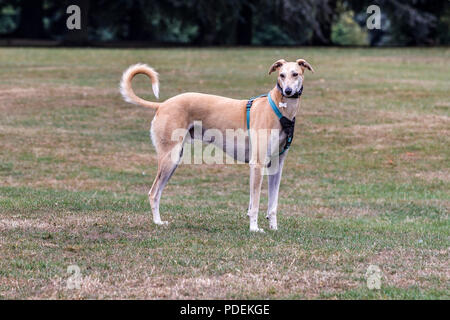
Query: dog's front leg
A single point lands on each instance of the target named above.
(273, 189)
(256, 177)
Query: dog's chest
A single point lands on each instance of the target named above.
(239, 149)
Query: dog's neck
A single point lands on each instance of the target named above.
(292, 104)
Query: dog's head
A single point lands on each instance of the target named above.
(290, 75)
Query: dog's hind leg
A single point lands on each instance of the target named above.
(167, 164)
(273, 189)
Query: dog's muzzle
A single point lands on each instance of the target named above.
(287, 93)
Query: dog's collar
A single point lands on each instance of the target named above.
(294, 96)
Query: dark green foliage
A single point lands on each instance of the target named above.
(227, 22)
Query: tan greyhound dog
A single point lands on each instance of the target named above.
(221, 113)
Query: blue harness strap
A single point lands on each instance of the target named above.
(274, 107)
(249, 106)
(286, 124)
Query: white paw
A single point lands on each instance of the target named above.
(162, 223)
(256, 230)
(272, 221)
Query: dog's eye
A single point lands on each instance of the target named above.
(282, 75)
(295, 74)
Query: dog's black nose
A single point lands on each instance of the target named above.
(288, 91)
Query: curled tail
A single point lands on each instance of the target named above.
(127, 91)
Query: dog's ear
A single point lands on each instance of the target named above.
(276, 65)
(305, 65)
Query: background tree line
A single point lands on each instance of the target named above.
(229, 22)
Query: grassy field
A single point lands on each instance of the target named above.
(366, 181)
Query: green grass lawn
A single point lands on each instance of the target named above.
(366, 181)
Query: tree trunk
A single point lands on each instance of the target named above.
(206, 22)
(324, 18)
(136, 22)
(244, 28)
(31, 20)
